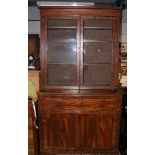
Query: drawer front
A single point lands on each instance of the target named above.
(99, 104)
(60, 104)
(80, 103)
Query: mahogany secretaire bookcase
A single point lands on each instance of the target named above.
(79, 101)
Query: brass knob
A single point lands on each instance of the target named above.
(99, 50)
(100, 104)
(59, 104)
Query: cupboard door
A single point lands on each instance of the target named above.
(59, 131)
(99, 131)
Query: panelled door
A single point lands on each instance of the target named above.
(62, 132)
(59, 132)
(99, 131)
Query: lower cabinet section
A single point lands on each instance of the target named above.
(91, 130)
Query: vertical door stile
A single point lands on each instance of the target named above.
(82, 130)
(78, 52)
(117, 47)
(81, 52)
(43, 52)
(115, 52)
(46, 48)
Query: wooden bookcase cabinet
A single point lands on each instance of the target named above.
(79, 101)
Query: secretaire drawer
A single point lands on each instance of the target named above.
(99, 104)
(80, 103)
(60, 104)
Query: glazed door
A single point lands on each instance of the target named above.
(60, 48)
(98, 59)
(59, 132)
(79, 52)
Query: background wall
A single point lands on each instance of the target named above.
(124, 26)
(33, 20)
(34, 27)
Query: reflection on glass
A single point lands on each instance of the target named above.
(62, 53)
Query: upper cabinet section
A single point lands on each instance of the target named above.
(79, 48)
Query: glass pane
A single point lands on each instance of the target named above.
(97, 74)
(98, 52)
(97, 35)
(61, 23)
(98, 23)
(62, 53)
(62, 75)
(61, 35)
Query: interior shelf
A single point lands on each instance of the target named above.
(63, 41)
(96, 63)
(102, 28)
(97, 41)
(55, 27)
(61, 63)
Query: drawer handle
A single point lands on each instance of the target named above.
(100, 104)
(101, 51)
(59, 104)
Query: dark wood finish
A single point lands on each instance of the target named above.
(95, 126)
(32, 131)
(62, 133)
(33, 43)
(79, 107)
(79, 122)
